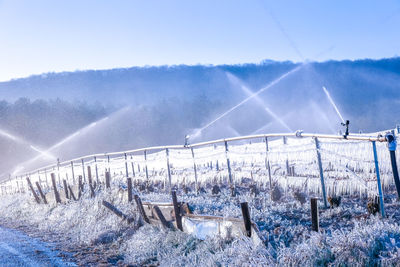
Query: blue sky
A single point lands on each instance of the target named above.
(52, 36)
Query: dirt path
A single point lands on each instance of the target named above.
(18, 249)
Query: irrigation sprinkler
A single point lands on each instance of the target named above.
(346, 124)
(378, 179)
(392, 145)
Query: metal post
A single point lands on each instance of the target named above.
(133, 167)
(83, 170)
(97, 171)
(108, 163)
(72, 171)
(58, 171)
(378, 179)
(168, 169)
(392, 144)
(321, 172)
(126, 165)
(228, 163)
(267, 165)
(195, 170)
(145, 165)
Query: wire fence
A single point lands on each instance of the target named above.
(318, 164)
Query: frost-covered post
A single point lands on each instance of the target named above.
(126, 165)
(133, 167)
(129, 182)
(58, 171)
(195, 170)
(45, 176)
(228, 163)
(168, 169)
(56, 194)
(97, 171)
(83, 170)
(321, 172)
(72, 172)
(392, 144)
(314, 215)
(267, 163)
(108, 163)
(33, 190)
(107, 176)
(378, 179)
(145, 165)
(246, 217)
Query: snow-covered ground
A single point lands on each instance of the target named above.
(348, 235)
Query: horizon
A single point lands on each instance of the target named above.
(260, 63)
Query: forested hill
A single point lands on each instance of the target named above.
(168, 102)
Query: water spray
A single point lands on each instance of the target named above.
(271, 84)
(328, 95)
(21, 141)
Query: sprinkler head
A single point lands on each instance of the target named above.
(186, 140)
(391, 141)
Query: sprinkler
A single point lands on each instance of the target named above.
(346, 133)
(186, 140)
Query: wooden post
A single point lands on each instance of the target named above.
(129, 181)
(90, 181)
(314, 215)
(107, 180)
(56, 194)
(72, 172)
(321, 172)
(41, 193)
(168, 170)
(177, 211)
(97, 171)
(267, 165)
(378, 179)
(33, 190)
(246, 218)
(141, 209)
(161, 216)
(83, 170)
(228, 163)
(392, 145)
(116, 211)
(71, 193)
(80, 186)
(195, 170)
(66, 189)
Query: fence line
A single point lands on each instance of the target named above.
(344, 164)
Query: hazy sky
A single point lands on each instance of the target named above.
(47, 35)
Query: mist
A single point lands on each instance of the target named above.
(66, 115)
